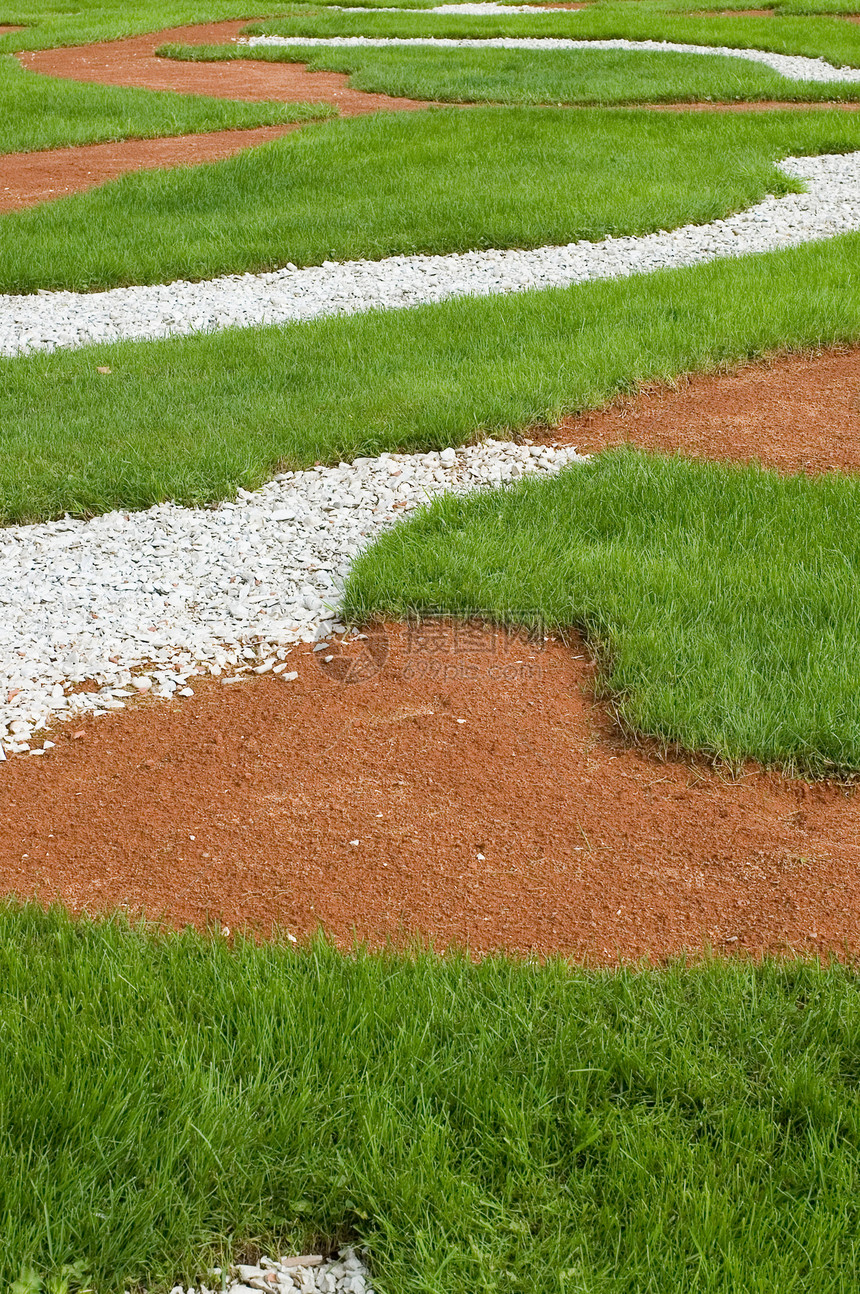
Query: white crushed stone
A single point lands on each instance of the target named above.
(307, 1274)
(50, 320)
(484, 7)
(795, 67)
(141, 602)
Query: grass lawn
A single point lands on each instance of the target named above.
(441, 181)
(192, 418)
(49, 112)
(720, 600)
(819, 37)
(600, 77)
(480, 1127)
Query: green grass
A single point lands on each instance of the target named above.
(819, 37)
(601, 78)
(480, 1127)
(441, 181)
(48, 112)
(720, 600)
(193, 418)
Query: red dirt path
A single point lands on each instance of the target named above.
(240, 804)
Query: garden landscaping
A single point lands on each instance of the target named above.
(428, 687)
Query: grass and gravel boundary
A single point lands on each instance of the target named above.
(194, 418)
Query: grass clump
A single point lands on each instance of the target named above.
(193, 418)
(720, 600)
(39, 112)
(598, 77)
(501, 1125)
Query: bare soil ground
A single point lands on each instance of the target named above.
(530, 826)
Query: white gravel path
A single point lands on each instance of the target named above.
(307, 1274)
(142, 601)
(795, 67)
(50, 320)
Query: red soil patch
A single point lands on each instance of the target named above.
(794, 414)
(240, 804)
(6, 28)
(133, 62)
(529, 826)
(29, 178)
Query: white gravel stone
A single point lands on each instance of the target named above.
(49, 320)
(346, 1275)
(794, 67)
(172, 592)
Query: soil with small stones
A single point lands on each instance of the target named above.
(457, 784)
(133, 62)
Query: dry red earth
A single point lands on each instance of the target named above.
(530, 826)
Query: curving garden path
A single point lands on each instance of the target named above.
(479, 795)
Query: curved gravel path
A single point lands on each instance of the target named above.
(47, 321)
(179, 589)
(795, 67)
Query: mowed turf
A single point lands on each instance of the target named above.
(659, 20)
(193, 418)
(446, 180)
(720, 600)
(599, 77)
(500, 1126)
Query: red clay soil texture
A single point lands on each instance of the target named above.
(133, 62)
(463, 789)
(458, 784)
(797, 414)
(29, 178)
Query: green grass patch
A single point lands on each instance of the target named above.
(441, 181)
(816, 36)
(500, 1125)
(720, 600)
(39, 112)
(192, 418)
(599, 77)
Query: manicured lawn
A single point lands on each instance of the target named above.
(193, 418)
(819, 37)
(441, 181)
(49, 112)
(720, 600)
(482, 1127)
(600, 77)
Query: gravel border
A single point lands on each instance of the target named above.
(142, 602)
(305, 1274)
(48, 321)
(795, 67)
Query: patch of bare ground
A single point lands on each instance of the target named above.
(469, 792)
(29, 178)
(797, 414)
(133, 62)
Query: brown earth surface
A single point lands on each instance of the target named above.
(469, 792)
(531, 825)
(797, 414)
(30, 178)
(133, 62)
